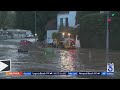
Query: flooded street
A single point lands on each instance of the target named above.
(55, 60)
(34, 62)
(59, 44)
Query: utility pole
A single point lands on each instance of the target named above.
(35, 27)
(107, 38)
(107, 33)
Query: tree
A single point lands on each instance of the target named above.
(42, 18)
(26, 20)
(57, 36)
(7, 19)
(3, 15)
(10, 19)
(92, 30)
(54, 35)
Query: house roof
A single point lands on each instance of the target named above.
(51, 25)
(63, 12)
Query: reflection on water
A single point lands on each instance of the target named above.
(67, 60)
(10, 52)
(8, 46)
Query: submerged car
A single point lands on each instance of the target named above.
(25, 42)
(24, 46)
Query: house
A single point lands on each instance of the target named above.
(51, 27)
(64, 18)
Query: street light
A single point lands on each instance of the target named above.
(35, 34)
(107, 34)
(107, 37)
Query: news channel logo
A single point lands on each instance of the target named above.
(110, 67)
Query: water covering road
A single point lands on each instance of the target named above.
(33, 62)
(56, 60)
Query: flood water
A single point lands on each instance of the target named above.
(62, 61)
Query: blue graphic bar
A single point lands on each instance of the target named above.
(27, 73)
(49, 73)
(107, 73)
(89, 73)
(68, 73)
(73, 73)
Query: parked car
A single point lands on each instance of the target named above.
(25, 42)
(29, 36)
